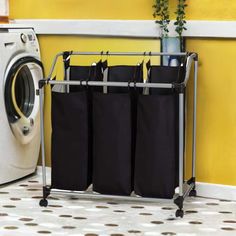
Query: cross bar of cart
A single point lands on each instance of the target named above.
(186, 188)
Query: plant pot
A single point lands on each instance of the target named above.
(4, 11)
(171, 45)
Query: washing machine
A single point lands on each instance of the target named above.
(20, 71)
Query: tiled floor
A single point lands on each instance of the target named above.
(20, 214)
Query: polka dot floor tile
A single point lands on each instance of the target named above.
(20, 214)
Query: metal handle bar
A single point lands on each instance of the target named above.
(193, 55)
(112, 84)
(190, 60)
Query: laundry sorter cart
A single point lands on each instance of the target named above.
(147, 106)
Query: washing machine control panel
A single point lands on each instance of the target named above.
(29, 41)
(27, 37)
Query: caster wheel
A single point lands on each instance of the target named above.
(179, 213)
(43, 203)
(193, 193)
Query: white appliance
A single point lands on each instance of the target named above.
(20, 71)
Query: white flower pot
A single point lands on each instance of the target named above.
(171, 45)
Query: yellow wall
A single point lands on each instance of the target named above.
(114, 9)
(216, 149)
(216, 120)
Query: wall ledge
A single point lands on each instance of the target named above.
(127, 28)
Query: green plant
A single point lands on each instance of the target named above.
(180, 17)
(161, 11)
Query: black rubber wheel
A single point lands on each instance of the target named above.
(179, 213)
(43, 203)
(193, 193)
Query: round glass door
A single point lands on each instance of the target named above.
(21, 101)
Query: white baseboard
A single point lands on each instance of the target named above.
(218, 191)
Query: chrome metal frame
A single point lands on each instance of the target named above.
(185, 187)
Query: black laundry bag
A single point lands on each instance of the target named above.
(128, 73)
(156, 162)
(114, 133)
(168, 74)
(156, 150)
(75, 130)
(112, 164)
(87, 73)
(71, 163)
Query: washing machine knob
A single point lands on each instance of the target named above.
(25, 130)
(23, 38)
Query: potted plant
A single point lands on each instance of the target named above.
(170, 44)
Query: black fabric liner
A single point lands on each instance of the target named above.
(156, 162)
(87, 73)
(112, 144)
(127, 73)
(82, 127)
(169, 74)
(115, 132)
(156, 150)
(71, 163)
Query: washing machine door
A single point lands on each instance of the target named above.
(21, 100)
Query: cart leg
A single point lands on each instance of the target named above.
(43, 202)
(193, 192)
(180, 199)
